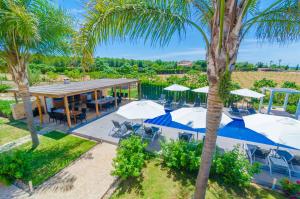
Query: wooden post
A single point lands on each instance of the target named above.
(120, 90)
(129, 92)
(115, 95)
(16, 98)
(67, 111)
(38, 102)
(139, 90)
(96, 102)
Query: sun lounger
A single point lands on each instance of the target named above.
(185, 136)
(288, 157)
(162, 99)
(150, 133)
(277, 161)
(235, 111)
(118, 129)
(132, 127)
(250, 152)
(251, 111)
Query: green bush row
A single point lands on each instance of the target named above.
(230, 167)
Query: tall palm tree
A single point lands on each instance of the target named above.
(30, 26)
(222, 24)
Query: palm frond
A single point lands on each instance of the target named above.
(279, 23)
(156, 21)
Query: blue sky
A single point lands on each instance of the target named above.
(191, 48)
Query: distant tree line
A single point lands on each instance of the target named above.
(41, 64)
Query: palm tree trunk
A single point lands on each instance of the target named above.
(214, 113)
(25, 95)
(18, 71)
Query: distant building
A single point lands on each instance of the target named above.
(185, 63)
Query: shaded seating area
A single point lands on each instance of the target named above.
(75, 102)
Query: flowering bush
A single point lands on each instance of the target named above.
(290, 188)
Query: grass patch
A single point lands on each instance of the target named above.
(159, 182)
(56, 151)
(11, 130)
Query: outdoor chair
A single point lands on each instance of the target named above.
(52, 116)
(197, 102)
(162, 99)
(118, 129)
(250, 152)
(277, 161)
(184, 136)
(62, 118)
(150, 133)
(82, 115)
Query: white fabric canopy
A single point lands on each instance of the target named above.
(201, 90)
(176, 87)
(195, 117)
(247, 93)
(281, 130)
(145, 109)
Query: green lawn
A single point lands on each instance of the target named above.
(55, 152)
(160, 183)
(11, 130)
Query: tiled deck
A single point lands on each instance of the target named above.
(100, 128)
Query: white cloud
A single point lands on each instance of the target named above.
(178, 54)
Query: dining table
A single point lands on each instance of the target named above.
(72, 113)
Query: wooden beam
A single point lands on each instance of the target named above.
(96, 102)
(115, 95)
(38, 102)
(129, 92)
(120, 90)
(67, 111)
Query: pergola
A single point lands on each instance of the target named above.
(287, 92)
(76, 88)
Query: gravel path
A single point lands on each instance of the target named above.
(87, 178)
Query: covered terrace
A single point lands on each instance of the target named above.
(69, 100)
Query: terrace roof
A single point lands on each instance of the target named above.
(74, 88)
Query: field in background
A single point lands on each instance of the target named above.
(246, 79)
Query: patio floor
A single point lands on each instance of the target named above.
(100, 128)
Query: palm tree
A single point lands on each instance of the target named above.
(222, 24)
(30, 26)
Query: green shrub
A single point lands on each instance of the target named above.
(14, 165)
(74, 74)
(290, 189)
(4, 88)
(291, 109)
(181, 155)
(52, 75)
(5, 110)
(233, 168)
(34, 77)
(130, 158)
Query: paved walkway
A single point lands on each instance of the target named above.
(14, 143)
(89, 177)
